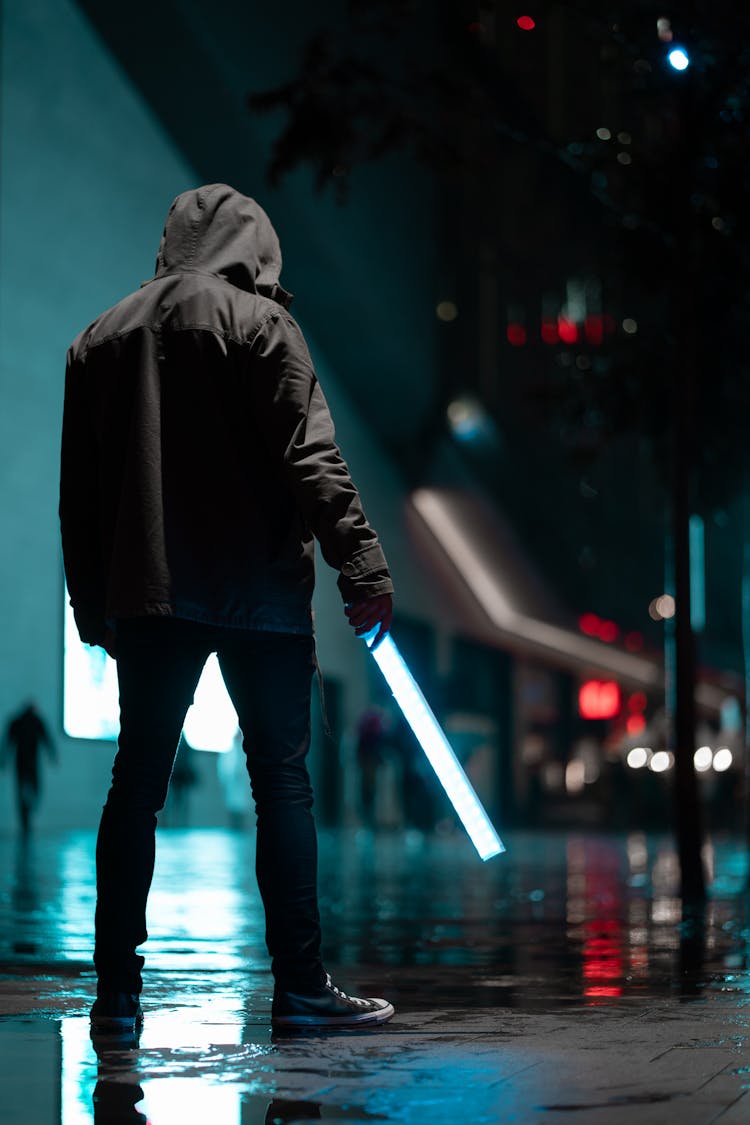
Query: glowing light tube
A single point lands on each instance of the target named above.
(431, 738)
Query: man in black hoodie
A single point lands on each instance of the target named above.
(198, 462)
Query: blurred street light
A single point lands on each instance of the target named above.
(661, 761)
(702, 758)
(662, 608)
(679, 58)
(722, 759)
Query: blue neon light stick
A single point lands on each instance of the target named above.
(431, 738)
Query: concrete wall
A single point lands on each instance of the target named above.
(87, 176)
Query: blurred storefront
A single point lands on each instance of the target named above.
(559, 721)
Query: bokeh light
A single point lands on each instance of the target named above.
(446, 311)
(662, 607)
(638, 757)
(722, 759)
(664, 29)
(679, 58)
(468, 419)
(702, 758)
(636, 724)
(666, 606)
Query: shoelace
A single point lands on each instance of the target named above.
(343, 995)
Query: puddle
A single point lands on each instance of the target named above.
(476, 958)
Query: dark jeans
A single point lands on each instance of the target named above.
(268, 676)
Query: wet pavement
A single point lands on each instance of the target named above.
(556, 984)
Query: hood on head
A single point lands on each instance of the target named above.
(217, 230)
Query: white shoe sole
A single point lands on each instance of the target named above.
(382, 1015)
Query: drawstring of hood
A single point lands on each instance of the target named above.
(216, 230)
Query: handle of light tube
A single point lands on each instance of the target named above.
(438, 750)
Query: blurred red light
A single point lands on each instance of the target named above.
(634, 642)
(589, 624)
(609, 323)
(608, 632)
(602, 953)
(599, 699)
(516, 335)
(602, 967)
(567, 329)
(526, 23)
(594, 328)
(598, 990)
(550, 335)
(637, 701)
(636, 724)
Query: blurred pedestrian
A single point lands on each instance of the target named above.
(417, 779)
(25, 735)
(371, 735)
(198, 462)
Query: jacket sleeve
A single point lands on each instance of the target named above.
(79, 508)
(295, 420)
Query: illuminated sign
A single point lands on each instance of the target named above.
(599, 699)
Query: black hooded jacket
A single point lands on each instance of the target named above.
(198, 453)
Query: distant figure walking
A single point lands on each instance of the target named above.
(25, 734)
(371, 735)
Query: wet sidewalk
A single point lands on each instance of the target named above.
(555, 984)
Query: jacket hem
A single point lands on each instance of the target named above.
(250, 621)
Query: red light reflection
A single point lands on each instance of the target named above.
(602, 959)
(516, 334)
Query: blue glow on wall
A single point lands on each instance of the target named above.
(90, 696)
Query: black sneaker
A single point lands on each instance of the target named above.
(116, 1011)
(327, 1007)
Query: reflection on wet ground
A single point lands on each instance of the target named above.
(561, 979)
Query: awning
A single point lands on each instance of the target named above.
(492, 594)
